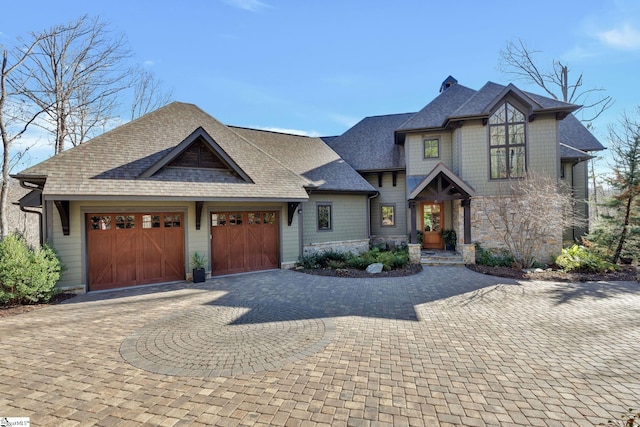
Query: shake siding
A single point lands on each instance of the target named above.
(414, 147)
(389, 195)
(72, 248)
(349, 218)
(542, 153)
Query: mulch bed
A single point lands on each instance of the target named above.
(626, 273)
(409, 270)
(12, 310)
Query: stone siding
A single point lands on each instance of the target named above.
(351, 246)
(483, 232)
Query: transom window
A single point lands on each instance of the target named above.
(507, 145)
(431, 148)
(324, 216)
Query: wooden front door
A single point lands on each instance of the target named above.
(244, 241)
(432, 220)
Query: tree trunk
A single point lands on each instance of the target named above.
(6, 143)
(623, 234)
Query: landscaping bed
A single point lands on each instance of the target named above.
(408, 270)
(625, 273)
(12, 310)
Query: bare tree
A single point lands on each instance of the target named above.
(148, 94)
(15, 118)
(530, 212)
(74, 74)
(518, 60)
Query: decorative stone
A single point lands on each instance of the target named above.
(374, 268)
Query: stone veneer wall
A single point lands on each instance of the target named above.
(482, 231)
(352, 246)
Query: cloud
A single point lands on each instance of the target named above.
(625, 37)
(250, 5)
(291, 131)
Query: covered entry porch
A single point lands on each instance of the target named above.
(436, 202)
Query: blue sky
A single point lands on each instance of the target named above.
(319, 67)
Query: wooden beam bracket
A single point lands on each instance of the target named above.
(63, 211)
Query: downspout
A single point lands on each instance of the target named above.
(573, 191)
(23, 209)
(38, 188)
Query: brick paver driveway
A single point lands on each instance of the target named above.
(445, 347)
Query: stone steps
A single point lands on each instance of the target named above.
(434, 258)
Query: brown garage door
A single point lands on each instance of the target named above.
(244, 241)
(134, 249)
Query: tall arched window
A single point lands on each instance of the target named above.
(507, 146)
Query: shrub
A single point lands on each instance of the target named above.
(580, 258)
(27, 275)
(493, 258)
(358, 262)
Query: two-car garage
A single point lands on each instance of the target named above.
(136, 248)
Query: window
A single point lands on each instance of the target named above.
(431, 148)
(388, 215)
(507, 149)
(324, 217)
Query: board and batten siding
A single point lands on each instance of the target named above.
(72, 248)
(389, 195)
(348, 222)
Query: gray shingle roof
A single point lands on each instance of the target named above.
(435, 113)
(575, 134)
(369, 145)
(309, 157)
(571, 153)
(110, 165)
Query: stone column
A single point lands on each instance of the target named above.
(414, 253)
(468, 253)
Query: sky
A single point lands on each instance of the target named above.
(318, 67)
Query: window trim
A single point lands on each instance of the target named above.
(424, 142)
(321, 205)
(506, 146)
(387, 205)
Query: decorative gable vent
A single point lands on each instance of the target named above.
(198, 155)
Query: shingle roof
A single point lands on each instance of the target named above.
(309, 157)
(575, 134)
(110, 165)
(435, 113)
(571, 153)
(369, 145)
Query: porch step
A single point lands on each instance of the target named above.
(432, 258)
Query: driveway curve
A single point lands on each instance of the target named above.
(444, 347)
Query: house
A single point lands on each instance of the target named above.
(131, 206)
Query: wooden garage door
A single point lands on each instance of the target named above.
(128, 249)
(244, 241)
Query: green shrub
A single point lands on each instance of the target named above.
(390, 260)
(493, 258)
(357, 262)
(27, 275)
(580, 258)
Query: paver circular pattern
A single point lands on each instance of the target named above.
(221, 340)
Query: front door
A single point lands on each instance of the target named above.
(432, 224)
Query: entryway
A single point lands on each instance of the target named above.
(432, 225)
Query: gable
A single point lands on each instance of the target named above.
(198, 155)
(198, 151)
